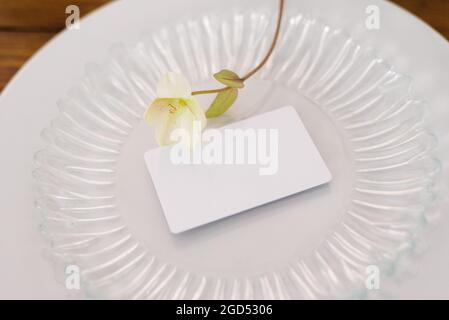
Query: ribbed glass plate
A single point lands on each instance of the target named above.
(100, 210)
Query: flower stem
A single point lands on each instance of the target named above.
(273, 43)
(264, 60)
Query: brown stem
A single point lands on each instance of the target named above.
(264, 60)
(273, 43)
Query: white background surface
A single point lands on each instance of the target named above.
(29, 103)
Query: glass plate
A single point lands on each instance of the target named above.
(100, 210)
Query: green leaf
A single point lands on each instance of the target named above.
(222, 102)
(229, 78)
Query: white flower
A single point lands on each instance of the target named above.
(174, 108)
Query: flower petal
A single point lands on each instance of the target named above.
(158, 114)
(157, 110)
(168, 114)
(197, 111)
(182, 119)
(173, 85)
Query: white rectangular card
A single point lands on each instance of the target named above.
(279, 159)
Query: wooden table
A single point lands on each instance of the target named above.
(25, 25)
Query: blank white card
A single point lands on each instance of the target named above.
(241, 166)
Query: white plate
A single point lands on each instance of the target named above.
(100, 213)
(308, 7)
